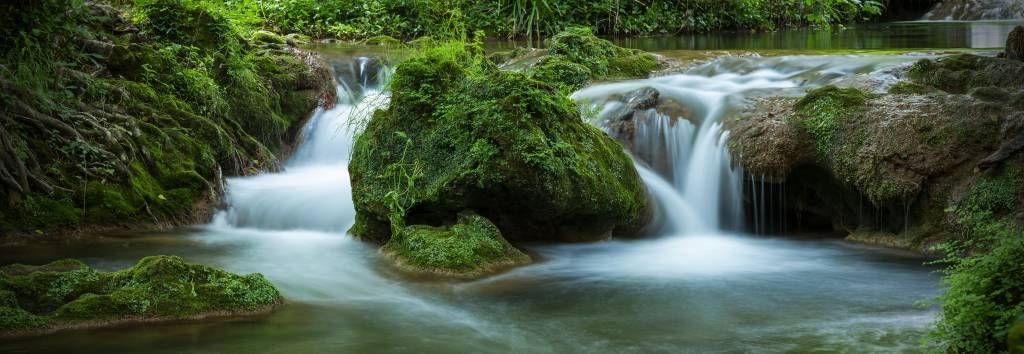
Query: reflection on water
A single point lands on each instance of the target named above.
(681, 294)
(896, 35)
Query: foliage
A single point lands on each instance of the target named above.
(535, 18)
(66, 292)
(985, 275)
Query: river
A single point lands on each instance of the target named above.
(694, 285)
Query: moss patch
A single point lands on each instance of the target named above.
(470, 247)
(962, 72)
(67, 293)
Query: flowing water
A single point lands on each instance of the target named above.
(693, 285)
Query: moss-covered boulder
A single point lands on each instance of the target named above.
(575, 56)
(68, 294)
(471, 247)
(460, 134)
(604, 59)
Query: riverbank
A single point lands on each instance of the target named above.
(125, 116)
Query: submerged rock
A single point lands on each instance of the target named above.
(68, 294)
(471, 247)
(460, 134)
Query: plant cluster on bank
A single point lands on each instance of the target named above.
(120, 114)
(522, 18)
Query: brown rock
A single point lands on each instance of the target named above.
(1015, 44)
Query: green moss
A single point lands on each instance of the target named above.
(461, 134)
(556, 70)
(909, 88)
(603, 59)
(822, 112)
(383, 40)
(470, 246)
(66, 292)
(268, 37)
(962, 72)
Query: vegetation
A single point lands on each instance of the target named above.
(513, 150)
(535, 18)
(985, 275)
(67, 293)
(110, 120)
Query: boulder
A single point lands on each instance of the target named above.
(68, 294)
(471, 247)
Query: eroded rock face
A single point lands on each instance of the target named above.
(460, 134)
(68, 294)
(908, 154)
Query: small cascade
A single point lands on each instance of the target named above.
(973, 10)
(312, 192)
(673, 126)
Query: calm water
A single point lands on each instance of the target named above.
(880, 36)
(694, 293)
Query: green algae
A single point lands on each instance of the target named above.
(67, 293)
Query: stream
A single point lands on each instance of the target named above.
(696, 283)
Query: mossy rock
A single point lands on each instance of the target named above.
(383, 40)
(910, 88)
(604, 59)
(268, 37)
(460, 134)
(962, 72)
(69, 294)
(471, 247)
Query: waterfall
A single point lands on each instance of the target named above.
(312, 192)
(973, 10)
(673, 126)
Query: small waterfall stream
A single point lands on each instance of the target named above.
(312, 192)
(680, 143)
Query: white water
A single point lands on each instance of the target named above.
(312, 192)
(684, 159)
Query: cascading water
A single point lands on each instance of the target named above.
(679, 141)
(312, 192)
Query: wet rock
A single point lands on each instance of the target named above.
(1015, 44)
